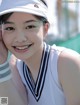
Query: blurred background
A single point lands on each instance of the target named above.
(64, 18)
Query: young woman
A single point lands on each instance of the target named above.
(50, 74)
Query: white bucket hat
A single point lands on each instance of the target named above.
(35, 7)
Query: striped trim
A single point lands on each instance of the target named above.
(2, 67)
(36, 88)
(5, 72)
(4, 63)
(8, 77)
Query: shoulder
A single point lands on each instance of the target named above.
(69, 74)
(13, 67)
(15, 74)
(68, 62)
(17, 79)
(14, 70)
(68, 59)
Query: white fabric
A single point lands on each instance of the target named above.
(52, 93)
(35, 7)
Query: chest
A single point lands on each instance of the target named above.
(51, 93)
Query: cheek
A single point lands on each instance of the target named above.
(6, 39)
(40, 35)
(36, 38)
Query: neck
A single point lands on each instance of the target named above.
(33, 62)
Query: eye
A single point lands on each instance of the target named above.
(31, 27)
(9, 29)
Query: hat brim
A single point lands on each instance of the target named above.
(24, 10)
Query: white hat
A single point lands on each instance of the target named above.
(35, 7)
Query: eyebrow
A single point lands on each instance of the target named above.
(30, 21)
(8, 22)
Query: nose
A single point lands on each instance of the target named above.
(21, 37)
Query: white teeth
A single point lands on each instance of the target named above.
(22, 48)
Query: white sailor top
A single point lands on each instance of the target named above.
(46, 90)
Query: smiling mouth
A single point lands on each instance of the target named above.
(25, 47)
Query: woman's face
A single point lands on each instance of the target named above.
(23, 34)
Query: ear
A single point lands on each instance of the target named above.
(46, 28)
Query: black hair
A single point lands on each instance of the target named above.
(4, 18)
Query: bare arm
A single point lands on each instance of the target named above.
(69, 74)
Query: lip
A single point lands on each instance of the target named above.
(22, 49)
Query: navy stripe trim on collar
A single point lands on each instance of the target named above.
(36, 88)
